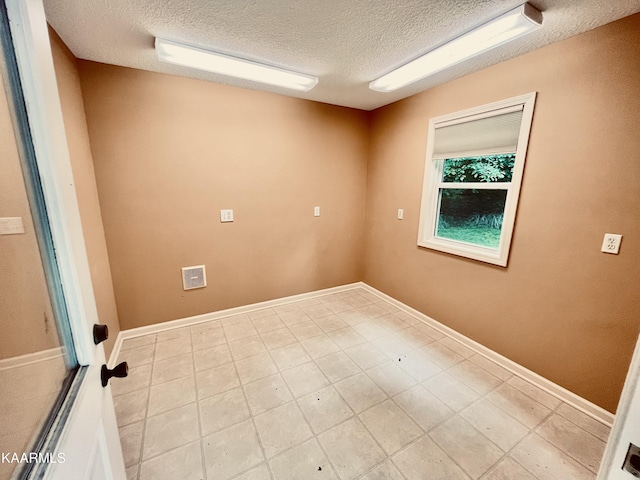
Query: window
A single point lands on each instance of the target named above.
(473, 172)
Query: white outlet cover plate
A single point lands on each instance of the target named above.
(611, 243)
(226, 216)
(316, 211)
(400, 214)
(11, 226)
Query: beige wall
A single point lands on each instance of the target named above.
(85, 182)
(562, 308)
(27, 324)
(170, 152)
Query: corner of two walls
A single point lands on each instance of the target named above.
(561, 308)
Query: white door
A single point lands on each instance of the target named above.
(85, 430)
(626, 427)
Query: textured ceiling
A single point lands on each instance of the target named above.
(346, 43)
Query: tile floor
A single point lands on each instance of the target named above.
(343, 386)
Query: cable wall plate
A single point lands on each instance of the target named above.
(194, 277)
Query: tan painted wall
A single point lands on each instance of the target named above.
(561, 308)
(85, 182)
(170, 152)
(26, 319)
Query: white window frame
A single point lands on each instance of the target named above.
(430, 205)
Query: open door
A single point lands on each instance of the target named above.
(75, 435)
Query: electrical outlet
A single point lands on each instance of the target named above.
(11, 226)
(611, 243)
(400, 214)
(316, 211)
(226, 216)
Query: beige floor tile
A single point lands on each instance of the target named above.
(131, 407)
(281, 428)
(138, 378)
(425, 456)
(346, 338)
(247, 347)
(132, 472)
(429, 330)
(136, 342)
(417, 365)
(285, 308)
(172, 368)
(338, 305)
(391, 346)
(256, 367)
(406, 317)
(324, 409)
(317, 311)
(413, 337)
(222, 411)
(330, 323)
(319, 346)
(391, 378)
(174, 334)
(212, 357)
(441, 355)
(138, 356)
(170, 430)
(591, 425)
(573, 440)
(520, 406)
(508, 469)
(172, 348)
(170, 395)
(305, 461)
(390, 426)
(386, 471)
(353, 317)
(210, 325)
(304, 330)
(451, 391)
(207, 338)
(267, 393)
(534, 392)
(502, 429)
(217, 380)
(262, 313)
(374, 311)
(351, 449)
(360, 392)
(131, 439)
(466, 446)
(293, 317)
(337, 366)
(184, 463)
(358, 300)
(457, 347)
(304, 379)
(268, 324)
(366, 355)
(242, 318)
(278, 338)
(290, 356)
(423, 407)
(239, 331)
(473, 376)
(546, 462)
(391, 322)
(259, 473)
(308, 302)
(232, 451)
(370, 330)
(491, 367)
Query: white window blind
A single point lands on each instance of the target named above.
(488, 135)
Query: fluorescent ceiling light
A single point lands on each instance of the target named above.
(194, 57)
(506, 27)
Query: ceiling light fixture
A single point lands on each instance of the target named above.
(194, 57)
(506, 27)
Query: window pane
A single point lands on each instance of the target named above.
(471, 215)
(491, 168)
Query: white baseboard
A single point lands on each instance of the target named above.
(206, 317)
(29, 358)
(548, 386)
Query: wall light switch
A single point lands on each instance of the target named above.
(11, 226)
(611, 243)
(400, 214)
(316, 211)
(226, 216)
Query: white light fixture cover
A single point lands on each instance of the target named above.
(509, 26)
(201, 59)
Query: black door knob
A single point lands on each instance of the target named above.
(100, 333)
(120, 370)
